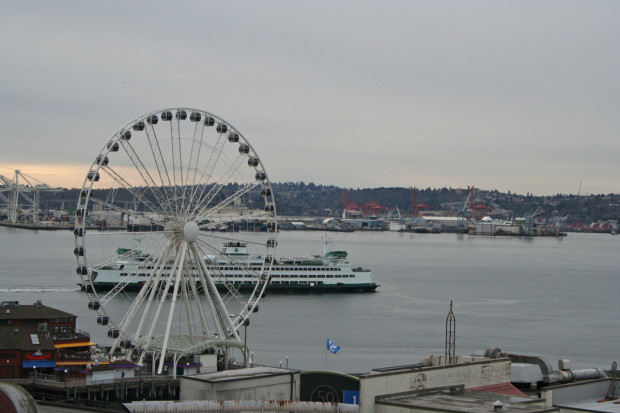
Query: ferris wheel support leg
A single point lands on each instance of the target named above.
(196, 296)
(223, 316)
(177, 280)
(161, 303)
(152, 283)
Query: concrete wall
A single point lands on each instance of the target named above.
(472, 374)
(241, 386)
(567, 394)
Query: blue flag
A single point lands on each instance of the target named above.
(332, 347)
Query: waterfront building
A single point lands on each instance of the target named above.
(37, 339)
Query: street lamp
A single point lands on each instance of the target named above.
(66, 371)
(246, 323)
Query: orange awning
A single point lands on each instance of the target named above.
(78, 363)
(80, 344)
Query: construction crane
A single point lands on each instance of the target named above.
(477, 210)
(372, 208)
(18, 197)
(417, 207)
(349, 207)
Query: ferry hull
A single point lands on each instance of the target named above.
(271, 288)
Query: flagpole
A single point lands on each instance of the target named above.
(326, 338)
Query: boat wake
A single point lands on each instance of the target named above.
(36, 290)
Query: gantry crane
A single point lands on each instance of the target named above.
(18, 197)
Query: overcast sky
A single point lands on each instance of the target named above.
(521, 96)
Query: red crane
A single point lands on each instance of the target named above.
(478, 210)
(373, 208)
(350, 207)
(416, 206)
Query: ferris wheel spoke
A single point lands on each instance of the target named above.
(210, 225)
(160, 302)
(233, 292)
(207, 211)
(153, 276)
(216, 187)
(194, 156)
(194, 293)
(229, 259)
(224, 323)
(149, 289)
(158, 158)
(175, 291)
(207, 174)
(127, 254)
(143, 171)
(223, 239)
(137, 194)
(116, 208)
(129, 279)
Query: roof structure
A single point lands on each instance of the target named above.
(12, 310)
(22, 337)
(456, 399)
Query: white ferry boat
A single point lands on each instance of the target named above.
(329, 272)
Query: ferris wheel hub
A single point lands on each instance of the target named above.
(191, 231)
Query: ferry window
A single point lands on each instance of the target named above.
(294, 276)
(329, 276)
(123, 274)
(312, 276)
(293, 282)
(320, 276)
(303, 276)
(303, 282)
(275, 282)
(338, 276)
(319, 282)
(352, 276)
(238, 276)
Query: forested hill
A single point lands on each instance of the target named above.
(299, 198)
(308, 199)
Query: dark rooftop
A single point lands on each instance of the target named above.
(22, 337)
(12, 310)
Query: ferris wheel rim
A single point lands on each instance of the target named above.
(86, 199)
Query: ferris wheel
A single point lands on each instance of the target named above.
(162, 206)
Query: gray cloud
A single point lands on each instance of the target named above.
(519, 96)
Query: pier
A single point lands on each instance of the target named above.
(104, 394)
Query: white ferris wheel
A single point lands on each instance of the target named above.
(187, 183)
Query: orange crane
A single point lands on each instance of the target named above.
(416, 206)
(349, 206)
(478, 210)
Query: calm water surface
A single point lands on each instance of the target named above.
(555, 297)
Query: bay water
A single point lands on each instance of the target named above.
(553, 297)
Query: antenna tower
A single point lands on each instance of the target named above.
(450, 337)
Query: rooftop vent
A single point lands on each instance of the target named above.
(498, 406)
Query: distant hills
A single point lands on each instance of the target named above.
(308, 199)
